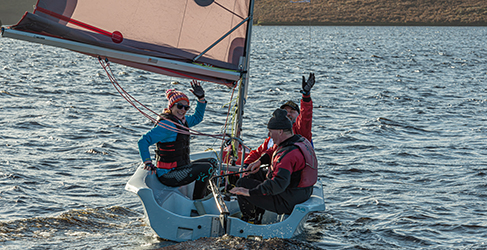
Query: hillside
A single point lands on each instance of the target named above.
(336, 12)
(371, 12)
(12, 10)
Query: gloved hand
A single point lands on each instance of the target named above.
(149, 166)
(197, 90)
(307, 85)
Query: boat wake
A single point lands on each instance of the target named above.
(232, 242)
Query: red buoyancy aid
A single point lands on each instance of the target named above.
(173, 154)
(309, 174)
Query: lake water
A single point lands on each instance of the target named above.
(399, 127)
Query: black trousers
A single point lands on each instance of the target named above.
(200, 171)
(283, 203)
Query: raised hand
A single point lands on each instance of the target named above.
(307, 85)
(197, 90)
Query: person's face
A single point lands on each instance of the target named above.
(276, 135)
(291, 114)
(179, 109)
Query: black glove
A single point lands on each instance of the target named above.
(307, 85)
(197, 89)
(149, 166)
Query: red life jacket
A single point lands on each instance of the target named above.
(308, 176)
(173, 154)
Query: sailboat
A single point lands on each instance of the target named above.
(205, 40)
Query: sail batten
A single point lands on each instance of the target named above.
(179, 31)
(221, 38)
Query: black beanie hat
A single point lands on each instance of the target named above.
(279, 120)
(292, 105)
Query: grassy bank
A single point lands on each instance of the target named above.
(11, 11)
(336, 12)
(371, 12)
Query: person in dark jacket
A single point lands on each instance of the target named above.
(289, 181)
(171, 134)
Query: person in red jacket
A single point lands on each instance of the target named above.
(301, 119)
(289, 181)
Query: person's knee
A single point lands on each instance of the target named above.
(240, 182)
(211, 166)
(213, 162)
(246, 182)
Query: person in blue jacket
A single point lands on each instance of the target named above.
(171, 136)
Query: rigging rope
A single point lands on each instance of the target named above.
(183, 129)
(130, 99)
(309, 29)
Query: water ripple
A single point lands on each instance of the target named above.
(398, 127)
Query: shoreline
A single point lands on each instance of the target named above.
(368, 24)
(372, 13)
(459, 13)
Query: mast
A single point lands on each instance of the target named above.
(244, 64)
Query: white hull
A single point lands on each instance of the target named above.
(168, 211)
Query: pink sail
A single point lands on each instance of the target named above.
(200, 33)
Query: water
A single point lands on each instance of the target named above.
(399, 128)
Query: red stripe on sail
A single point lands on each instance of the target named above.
(116, 36)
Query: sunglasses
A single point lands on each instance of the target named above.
(181, 106)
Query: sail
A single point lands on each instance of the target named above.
(200, 39)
